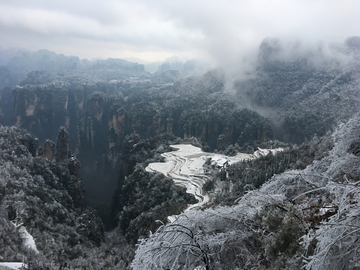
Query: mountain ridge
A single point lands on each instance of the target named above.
(119, 118)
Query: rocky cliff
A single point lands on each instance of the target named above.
(99, 115)
(290, 99)
(43, 198)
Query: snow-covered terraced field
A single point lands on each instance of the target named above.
(185, 167)
(12, 265)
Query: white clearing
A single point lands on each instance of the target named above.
(185, 167)
(12, 265)
(28, 239)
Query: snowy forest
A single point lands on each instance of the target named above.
(277, 186)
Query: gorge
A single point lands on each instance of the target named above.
(89, 164)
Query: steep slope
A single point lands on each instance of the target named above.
(120, 121)
(300, 218)
(305, 91)
(184, 167)
(42, 201)
(99, 114)
(143, 199)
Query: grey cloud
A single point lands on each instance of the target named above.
(224, 31)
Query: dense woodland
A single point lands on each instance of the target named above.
(77, 135)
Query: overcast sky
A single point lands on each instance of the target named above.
(218, 30)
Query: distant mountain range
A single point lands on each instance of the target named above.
(16, 63)
(97, 124)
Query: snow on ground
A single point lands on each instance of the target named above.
(29, 241)
(12, 265)
(263, 152)
(185, 167)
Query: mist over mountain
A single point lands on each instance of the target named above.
(77, 136)
(16, 64)
(190, 67)
(292, 82)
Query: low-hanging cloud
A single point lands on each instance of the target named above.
(225, 32)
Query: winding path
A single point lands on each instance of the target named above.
(185, 167)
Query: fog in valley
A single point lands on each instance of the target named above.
(179, 134)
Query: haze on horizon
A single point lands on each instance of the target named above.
(219, 31)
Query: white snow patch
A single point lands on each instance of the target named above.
(12, 265)
(185, 167)
(29, 241)
(263, 152)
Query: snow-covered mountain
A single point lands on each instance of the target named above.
(298, 219)
(289, 209)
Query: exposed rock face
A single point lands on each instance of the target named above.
(30, 106)
(117, 122)
(31, 143)
(140, 124)
(62, 145)
(49, 150)
(77, 93)
(97, 117)
(198, 132)
(41, 110)
(158, 125)
(96, 106)
(221, 145)
(47, 200)
(74, 167)
(116, 134)
(169, 125)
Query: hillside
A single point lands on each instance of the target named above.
(78, 136)
(46, 200)
(305, 91)
(99, 114)
(300, 218)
